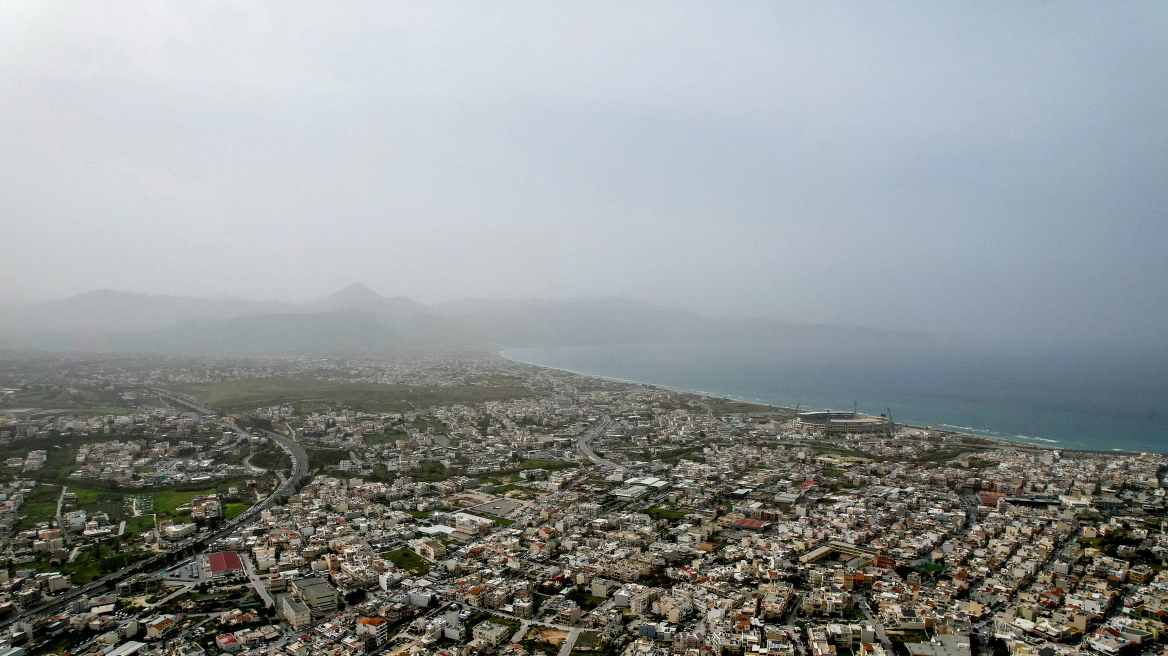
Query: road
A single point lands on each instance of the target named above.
(299, 462)
(153, 564)
(584, 443)
(261, 587)
(880, 634)
(183, 399)
(569, 642)
(251, 467)
(61, 524)
(518, 635)
(796, 634)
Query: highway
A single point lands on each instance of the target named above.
(299, 462)
(183, 399)
(584, 442)
(161, 561)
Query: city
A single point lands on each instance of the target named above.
(454, 505)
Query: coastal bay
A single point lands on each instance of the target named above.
(1112, 404)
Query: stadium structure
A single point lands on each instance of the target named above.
(834, 422)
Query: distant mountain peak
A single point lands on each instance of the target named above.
(357, 296)
(356, 291)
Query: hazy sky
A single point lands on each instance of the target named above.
(994, 169)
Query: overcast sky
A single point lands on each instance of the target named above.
(992, 169)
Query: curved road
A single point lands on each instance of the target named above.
(584, 442)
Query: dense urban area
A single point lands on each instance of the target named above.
(454, 505)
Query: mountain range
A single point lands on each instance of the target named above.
(357, 320)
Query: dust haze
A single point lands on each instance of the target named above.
(991, 172)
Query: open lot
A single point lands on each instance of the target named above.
(549, 636)
(497, 507)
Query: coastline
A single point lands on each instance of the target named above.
(1003, 441)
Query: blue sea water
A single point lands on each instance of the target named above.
(1070, 401)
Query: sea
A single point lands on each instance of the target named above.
(1092, 402)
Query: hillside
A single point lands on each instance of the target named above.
(358, 320)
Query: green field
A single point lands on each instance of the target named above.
(432, 471)
(550, 465)
(677, 454)
(40, 505)
(92, 561)
(233, 510)
(731, 407)
(139, 524)
(369, 397)
(85, 402)
(424, 424)
(166, 501)
(271, 457)
(375, 439)
(408, 560)
(665, 513)
(60, 451)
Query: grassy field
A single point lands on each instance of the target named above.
(664, 513)
(40, 505)
(166, 501)
(375, 439)
(233, 510)
(730, 407)
(423, 424)
(369, 397)
(60, 452)
(92, 561)
(271, 457)
(84, 402)
(550, 465)
(430, 471)
(827, 447)
(325, 458)
(408, 560)
(139, 524)
(677, 454)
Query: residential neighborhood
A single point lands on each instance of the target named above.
(570, 516)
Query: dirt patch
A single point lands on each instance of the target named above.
(550, 636)
(401, 648)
